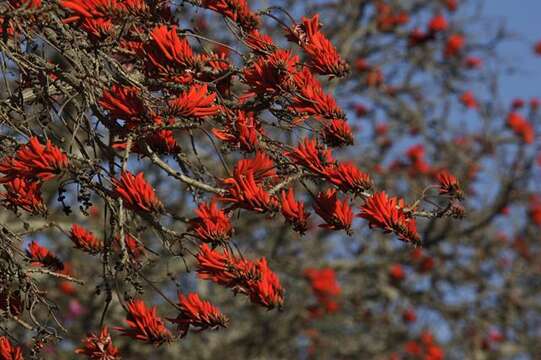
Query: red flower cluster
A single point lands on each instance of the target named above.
(24, 194)
(254, 279)
(455, 44)
(537, 48)
(194, 103)
(34, 161)
(271, 74)
(336, 133)
(448, 184)
(123, 103)
(473, 62)
(96, 17)
(389, 214)
(245, 188)
(85, 240)
(237, 10)
(396, 273)
(337, 214)
(468, 100)
(425, 349)
(312, 157)
(388, 18)
(41, 256)
(416, 155)
(294, 212)
(311, 100)
(212, 225)
(521, 127)
(242, 130)
(197, 313)
(99, 346)
(438, 24)
(136, 193)
(8, 351)
(534, 209)
(325, 288)
(322, 54)
(170, 56)
(348, 178)
(144, 324)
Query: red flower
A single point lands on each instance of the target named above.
(136, 193)
(417, 37)
(41, 256)
(322, 55)
(311, 100)
(244, 192)
(99, 346)
(244, 189)
(123, 102)
(236, 10)
(294, 212)
(144, 324)
(264, 287)
(244, 276)
(34, 160)
(518, 103)
(534, 209)
(324, 286)
(311, 157)
(260, 43)
(389, 214)
(521, 127)
(24, 194)
(337, 214)
(8, 351)
(348, 178)
(337, 133)
(221, 268)
(448, 183)
(170, 55)
(468, 100)
(271, 74)
(454, 45)
(212, 224)
(93, 16)
(396, 272)
(194, 103)
(85, 240)
(438, 24)
(197, 313)
(242, 131)
(473, 62)
(261, 166)
(409, 315)
(452, 5)
(537, 48)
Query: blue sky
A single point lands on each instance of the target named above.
(522, 17)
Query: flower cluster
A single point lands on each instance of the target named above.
(391, 215)
(325, 288)
(197, 313)
(137, 194)
(144, 324)
(254, 279)
(99, 346)
(8, 351)
(85, 240)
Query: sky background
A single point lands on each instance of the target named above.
(522, 17)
